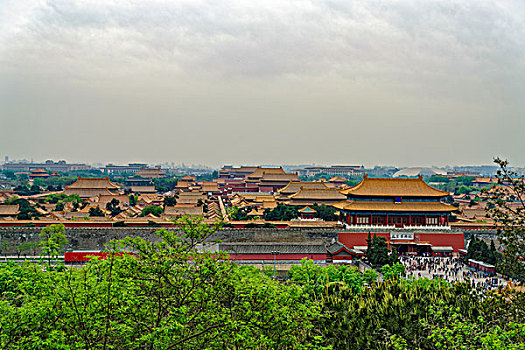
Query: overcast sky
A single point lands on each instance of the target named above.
(404, 82)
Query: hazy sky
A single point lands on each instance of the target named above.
(400, 82)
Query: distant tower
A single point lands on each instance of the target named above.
(7, 159)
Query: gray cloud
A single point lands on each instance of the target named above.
(374, 81)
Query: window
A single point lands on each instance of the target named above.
(432, 221)
(362, 219)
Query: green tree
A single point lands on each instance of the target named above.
(133, 200)
(114, 207)
(168, 295)
(370, 276)
(96, 211)
(314, 278)
(378, 253)
(52, 240)
(239, 214)
(170, 201)
(393, 271)
(507, 208)
(153, 209)
(59, 206)
(324, 212)
(281, 213)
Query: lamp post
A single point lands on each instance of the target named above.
(275, 253)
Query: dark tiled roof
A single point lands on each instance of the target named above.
(268, 248)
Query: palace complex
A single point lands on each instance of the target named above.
(87, 187)
(394, 202)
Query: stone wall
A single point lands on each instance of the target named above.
(95, 238)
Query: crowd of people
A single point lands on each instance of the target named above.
(450, 269)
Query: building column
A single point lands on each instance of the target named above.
(410, 220)
(386, 220)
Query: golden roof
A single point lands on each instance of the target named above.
(295, 186)
(394, 187)
(180, 210)
(317, 194)
(208, 186)
(88, 192)
(259, 172)
(394, 207)
(6, 209)
(143, 189)
(92, 183)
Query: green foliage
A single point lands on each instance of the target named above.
(315, 278)
(26, 210)
(119, 224)
(164, 185)
(167, 296)
(170, 201)
(61, 197)
(96, 211)
(479, 250)
(53, 239)
(370, 276)
(208, 176)
(153, 209)
(378, 253)
(114, 207)
(389, 314)
(324, 212)
(393, 271)
(239, 214)
(23, 189)
(281, 213)
(58, 182)
(133, 199)
(507, 208)
(450, 329)
(59, 206)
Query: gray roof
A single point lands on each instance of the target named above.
(268, 248)
(335, 247)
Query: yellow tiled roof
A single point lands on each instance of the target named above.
(295, 186)
(394, 187)
(396, 207)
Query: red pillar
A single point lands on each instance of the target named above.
(410, 220)
(370, 219)
(386, 219)
(355, 219)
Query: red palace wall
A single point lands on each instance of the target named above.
(455, 240)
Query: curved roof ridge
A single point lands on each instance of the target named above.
(394, 187)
